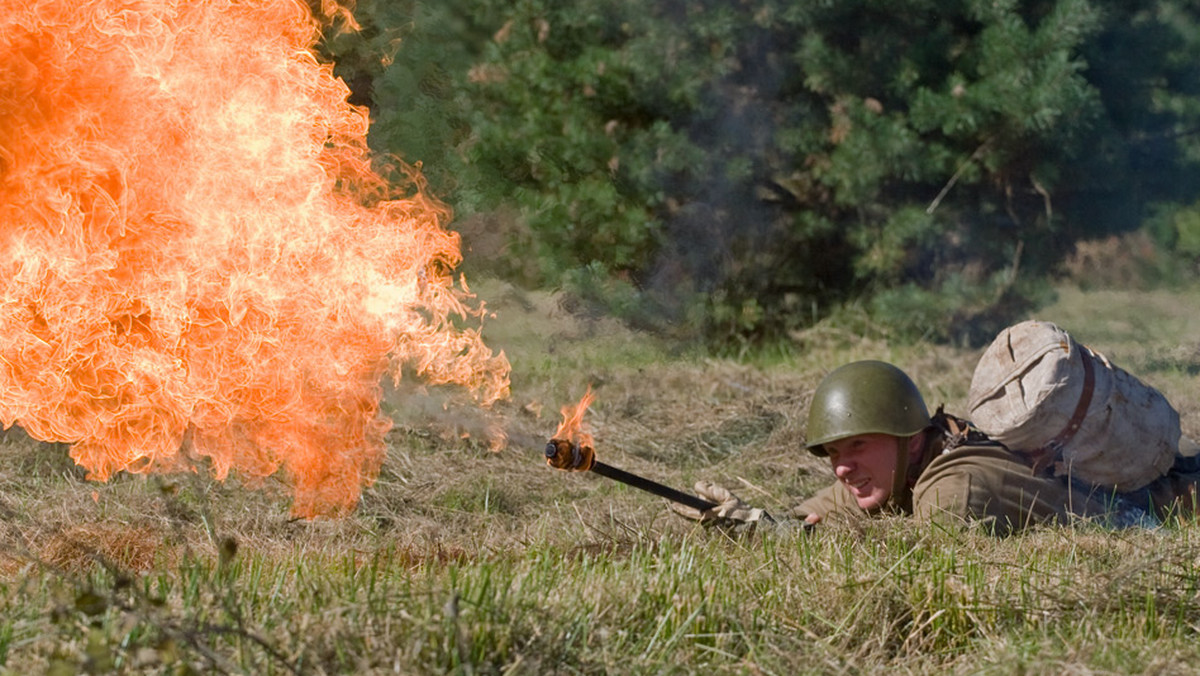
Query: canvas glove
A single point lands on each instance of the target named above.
(730, 511)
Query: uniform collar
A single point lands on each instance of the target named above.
(935, 443)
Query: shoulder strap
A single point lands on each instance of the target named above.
(1051, 451)
(959, 432)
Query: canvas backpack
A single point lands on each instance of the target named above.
(1070, 411)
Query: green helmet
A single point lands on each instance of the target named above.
(864, 397)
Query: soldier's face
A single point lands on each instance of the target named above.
(867, 465)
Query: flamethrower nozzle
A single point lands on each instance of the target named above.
(562, 454)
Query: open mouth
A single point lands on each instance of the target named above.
(858, 485)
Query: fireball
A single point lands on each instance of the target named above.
(199, 266)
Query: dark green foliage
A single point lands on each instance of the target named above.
(743, 168)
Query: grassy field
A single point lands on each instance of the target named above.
(462, 559)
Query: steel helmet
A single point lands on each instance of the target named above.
(864, 397)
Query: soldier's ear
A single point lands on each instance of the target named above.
(916, 446)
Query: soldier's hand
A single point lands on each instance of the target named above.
(729, 511)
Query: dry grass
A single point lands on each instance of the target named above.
(465, 560)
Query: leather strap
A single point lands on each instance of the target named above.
(1052, 450)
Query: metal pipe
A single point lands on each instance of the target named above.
(652, 486)
(565, 455)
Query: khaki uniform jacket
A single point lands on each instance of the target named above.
(983, 484)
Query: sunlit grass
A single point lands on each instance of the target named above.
(464, 560)
(838, 601)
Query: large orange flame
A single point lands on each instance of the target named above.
(196, 258)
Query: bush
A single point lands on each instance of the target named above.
(741, 170)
